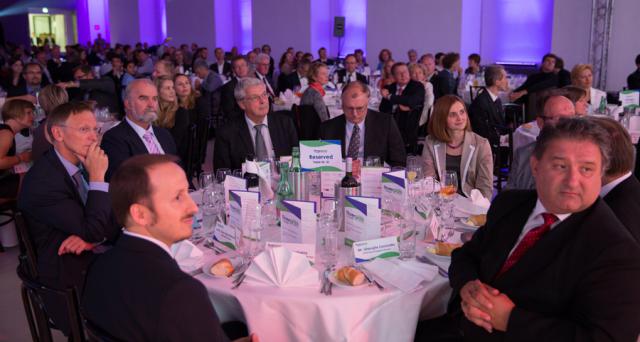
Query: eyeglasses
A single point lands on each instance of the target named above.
(84, 129)
(262, 96)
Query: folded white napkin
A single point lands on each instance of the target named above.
(187, 255)
(280, 267)
(476, 204)
(407, 279)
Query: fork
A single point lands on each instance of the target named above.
(325, 281)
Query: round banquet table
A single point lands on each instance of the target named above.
(349, 314)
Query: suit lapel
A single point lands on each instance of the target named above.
(245, 136)
(138, 146)
(369, 135)
(57, 164)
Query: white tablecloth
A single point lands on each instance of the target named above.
(350, 314)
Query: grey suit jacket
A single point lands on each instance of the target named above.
(476, 165)
(520, 176)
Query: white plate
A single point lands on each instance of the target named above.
(235, 261)
(464, 205)
(468, 224)
(334, 280)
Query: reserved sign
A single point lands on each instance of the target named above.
(321, 155)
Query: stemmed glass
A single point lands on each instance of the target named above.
(205, 180)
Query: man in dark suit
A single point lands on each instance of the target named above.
(404, 99)
(136, 291)
(116, 73)
(230, 109)
(32, 75)
(542, 80)
(376, 134)
(322, 57)
(633, 81)
(86, 87)
(553, 264)
(486, 112)
(298, 79)
(258, 132)
(221, 67)
(262, 73)
(65, 202)
(620, 188)
(349, 73)
(135, 134)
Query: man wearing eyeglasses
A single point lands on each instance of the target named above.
(555, 107)
(364, 132)
(66, 203)
(258, 132)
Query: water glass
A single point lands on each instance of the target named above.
(237, 173)
(449, 186)
(268, 214)
(414, 168)
(205, 180)
(407, 238)
(221, 174)
(329, 231)
(372, 161)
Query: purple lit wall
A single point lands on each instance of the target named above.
(234, 24)
(123, 21)
(281, 24)
(186, 24)
(152, 21)
(93, 19)
(516, 30)
(471, 29)
(322, 19)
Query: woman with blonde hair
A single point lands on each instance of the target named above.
(172, 116)
(318, 76)
(452, 146)
(418, 72)
(582, 77)
(49, 98)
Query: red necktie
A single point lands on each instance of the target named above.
(528, 241)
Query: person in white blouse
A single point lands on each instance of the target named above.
(418, 72)
(582, 76)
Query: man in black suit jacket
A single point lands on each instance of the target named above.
(381, 135)
(322, 57)
(221, 67)
(404, 99)
(86, 87)
(299, 77)
(349, 73)
(486, 112)
(240, 138)
(621, 189)
(136, 291)
(633, 80)
(230, 109)
(66, 204)
(135, 134)
(545, 79)
(553, 264)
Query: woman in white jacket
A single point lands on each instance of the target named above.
(582, 76)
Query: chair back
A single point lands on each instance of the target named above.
(191, 164)
(40, 322)
(28, 257)
(309, 123)
(514, 115)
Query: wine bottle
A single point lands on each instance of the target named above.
(349, 183)
(251, 174)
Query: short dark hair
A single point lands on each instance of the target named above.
(82, 67)
(475, 57)
(574, 129)
(61, 113)
(30, 64)
(638, 60)
(549, 55)
(396, 66)
(238, 58)
(449, 59)
(438, 56)
(559, 63)
(492, 73)
(131, 184)
(622, 150)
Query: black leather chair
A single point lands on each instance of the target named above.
(308, 122)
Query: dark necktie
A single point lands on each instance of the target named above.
(528, 241)
(354, 143)
(81, 185)
(261, 147)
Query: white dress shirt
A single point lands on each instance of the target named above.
(347, 138)
(535, 219)
(150, 239)
(608, 187)
(265, 134)
(141, 131)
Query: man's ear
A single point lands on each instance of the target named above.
(533, 163)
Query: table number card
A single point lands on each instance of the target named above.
(298, 222)
(224, 238)
(629, 98)
(370, 179)
(321, 155)
(362, 217)
(394, 187)
(383, 248)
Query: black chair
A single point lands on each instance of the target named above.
(39, 322)
(96, 334)
(27, 258)
(191, 163)
(309, 123)
(8, 208)
(199, 149)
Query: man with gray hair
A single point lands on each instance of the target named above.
(258, 132)
(136, 134)
(553, 264)
(555, 107)
(299, 78)
(486, 112)
(262, 73)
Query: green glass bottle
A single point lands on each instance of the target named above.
(296, 177)
(283, 190)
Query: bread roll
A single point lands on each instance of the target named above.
(478, 220)
(445, 248)
(223, 267)
(350, 275)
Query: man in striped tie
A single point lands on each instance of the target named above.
(553, 264)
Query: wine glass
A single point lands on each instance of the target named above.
(221, 174)
(205, 180)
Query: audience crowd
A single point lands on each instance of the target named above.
(84, 185)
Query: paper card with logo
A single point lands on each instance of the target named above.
(370, 179)
(320, 155)
(224, 238)
(394, 187)
(244, 207)
(298, 222)
(233, 183)
(362, 216)
(382, 248)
